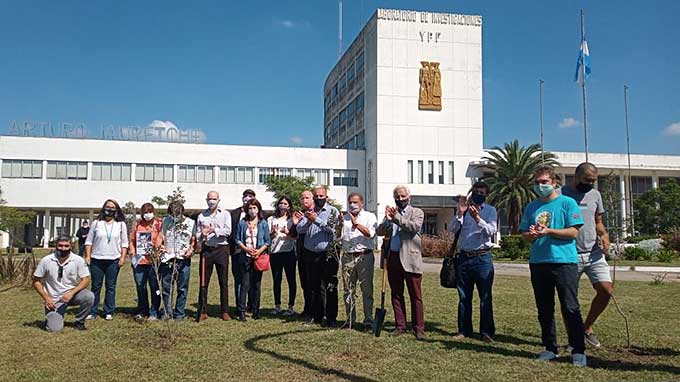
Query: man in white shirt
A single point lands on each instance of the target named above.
(358, 234)
(61, 279)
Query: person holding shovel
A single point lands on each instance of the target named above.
(358, 232)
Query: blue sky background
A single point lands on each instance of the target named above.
(252, 72)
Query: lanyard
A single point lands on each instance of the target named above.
(109, 234)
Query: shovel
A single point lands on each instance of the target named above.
(202, 294)
(381, 312)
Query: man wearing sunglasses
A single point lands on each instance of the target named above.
(61, 279)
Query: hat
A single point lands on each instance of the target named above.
(249, 192)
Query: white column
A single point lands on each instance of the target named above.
(655, 180)
(624, 203)
(47, 229)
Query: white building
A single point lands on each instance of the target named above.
(378, 115)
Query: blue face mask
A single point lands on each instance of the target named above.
(478, 199)
(543, 190)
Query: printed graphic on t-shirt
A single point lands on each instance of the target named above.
(544, 217)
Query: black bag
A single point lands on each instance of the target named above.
(447, 276)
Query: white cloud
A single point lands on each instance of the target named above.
(567, 123)
(296, 140)
(170, 133)
(288, 24)
(672, 129)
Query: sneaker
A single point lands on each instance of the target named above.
(138, 317)
(397, 332)
(579, 360)
(289, 312)
(277, 310)
(591, 339)
(153, 318)
(90, 317)
(420, 335)
(487, 338)
(79, 326)
(546, 355)
(108, 317)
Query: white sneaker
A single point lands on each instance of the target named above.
(90, 317)
(277, 310)
(153, 318)
(139, 317)
(578, 359)
(108, 317)
(289, 311)
(546, 355)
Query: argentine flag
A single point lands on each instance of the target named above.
(583, 59)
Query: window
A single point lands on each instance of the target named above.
(361, 140)
(194, 174)
(67, 170)
(342, 84)
(409, 171)
(266, 173)
(360, 63)
(19, 168)
(360, 104)
(349, 178)
(430, 172)
(351, 108)
(153, 173)
(236, 175)
(420, 172)
(350, 73)
(640, 184)
(112, 171)
(320, 176)
(430, 224)
(441, 172)
(451, 173)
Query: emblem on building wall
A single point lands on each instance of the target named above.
(430, 86)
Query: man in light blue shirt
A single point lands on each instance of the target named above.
(477, 223)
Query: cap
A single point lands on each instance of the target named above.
(249, 192)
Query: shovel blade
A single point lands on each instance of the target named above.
(379, 321)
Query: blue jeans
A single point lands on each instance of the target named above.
(145, 274)
(100, 270)
(471, 271)
(181, 273)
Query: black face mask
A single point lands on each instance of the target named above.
(63, 252)
(584, 187)
(109, 212)
(401, 203)
(318, 203)
(478, 199)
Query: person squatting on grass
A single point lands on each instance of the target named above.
(61, 279)
(105, 250)
(551, 224)
(591, 254)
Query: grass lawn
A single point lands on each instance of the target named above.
(274, 349)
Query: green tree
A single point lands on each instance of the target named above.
(511, 184)
(611, 198)
(657, 209)
(160, 202)
(292, 187)
(12, 220)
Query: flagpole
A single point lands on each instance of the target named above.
(583, 88)
(630, 194)
(540, 103)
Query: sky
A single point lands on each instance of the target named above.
(252, 72)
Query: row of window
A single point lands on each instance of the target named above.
(354, 72)
(33, 169)
(441, 176)
(344, 122)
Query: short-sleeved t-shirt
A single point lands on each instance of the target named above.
(561, 212)
(74, 269)
(591, 205)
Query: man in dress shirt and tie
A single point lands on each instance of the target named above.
(477, 223)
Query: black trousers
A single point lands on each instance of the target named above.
(219, 258)
(284, 262)
(301, 261)
(247, 282)
(563, 277)
(322, 279)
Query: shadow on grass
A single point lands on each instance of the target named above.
(435, 327)
(252, 345)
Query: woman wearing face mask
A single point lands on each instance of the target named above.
(145, 235)
(105, 250)
(253, 239)
(283, 233)
(178, 245)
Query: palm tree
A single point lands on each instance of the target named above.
(512, 168)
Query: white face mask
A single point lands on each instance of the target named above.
(148, 216)
(253, 212)
(212, 203)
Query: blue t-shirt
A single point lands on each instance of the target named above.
(561, 212)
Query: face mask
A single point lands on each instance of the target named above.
(148, 216)
(64, 252)
(543, 190)
(401, 203)
(318, 202)
(478, 199)
(109, 212)
(246, 199)
(212, 203)
(283, 207)
(253, 212)
(584, 187)
(354, 207)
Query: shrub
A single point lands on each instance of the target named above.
(514, 247)
(635, 253)
(666, 255)
(671, 240)
(436, 246)
(639, 238)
